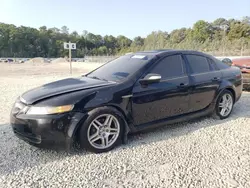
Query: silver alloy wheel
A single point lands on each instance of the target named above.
(103, 131)
(225, 105)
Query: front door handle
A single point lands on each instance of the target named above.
(183, 84)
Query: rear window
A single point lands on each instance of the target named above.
(220, 64)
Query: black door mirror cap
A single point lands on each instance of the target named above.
(150, 78)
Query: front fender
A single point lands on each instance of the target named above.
(79, 118)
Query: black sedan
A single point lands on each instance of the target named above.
(131, 93)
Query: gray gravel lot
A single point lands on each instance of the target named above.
(200, 153)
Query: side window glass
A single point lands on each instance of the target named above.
(212, 64)
(198, 64)
(170, 67)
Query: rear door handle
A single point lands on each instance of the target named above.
(215, 79)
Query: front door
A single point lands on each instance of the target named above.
(167, 98)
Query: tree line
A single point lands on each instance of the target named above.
(220, 37)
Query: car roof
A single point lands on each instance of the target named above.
(169, 52)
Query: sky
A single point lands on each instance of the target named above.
(119, 17)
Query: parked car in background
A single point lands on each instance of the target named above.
(10, 60)
(80, 60)
(48, 60)
(134, 92)
(244, 65)
(227, 61)
(7, 60)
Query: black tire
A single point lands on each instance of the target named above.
(216, 113)
(83, 137)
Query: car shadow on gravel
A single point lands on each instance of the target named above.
(171, 131)
(16, 154)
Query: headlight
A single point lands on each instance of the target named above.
(35, 110)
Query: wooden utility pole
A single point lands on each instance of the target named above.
(224, 27)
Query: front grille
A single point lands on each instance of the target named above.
(24, 131)
(28, 136)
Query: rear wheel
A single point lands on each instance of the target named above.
(224, 105)
(102, 130)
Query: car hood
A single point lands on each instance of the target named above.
(61, 87)
(245, 62)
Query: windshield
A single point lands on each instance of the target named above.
(121, 68)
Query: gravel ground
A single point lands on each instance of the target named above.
(200, 153)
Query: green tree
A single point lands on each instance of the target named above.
(123, 42)
(236, 30)
(65, 30)
(246, 20)
(111, 43)
(178, 35)
(201, 31)
(219, 37)
(102, 50)
(220, 22)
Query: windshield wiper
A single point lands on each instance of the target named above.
(95, 77)
(104, 79)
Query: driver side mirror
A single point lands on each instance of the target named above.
(150, 78)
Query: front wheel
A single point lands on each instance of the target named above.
(102, 130)
(224, 105)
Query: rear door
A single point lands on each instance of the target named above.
(164, 99)
(205, 81)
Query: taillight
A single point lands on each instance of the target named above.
(239, 76)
